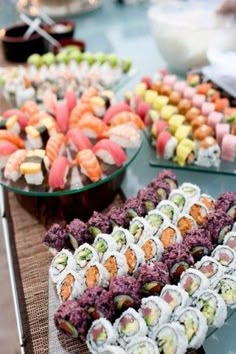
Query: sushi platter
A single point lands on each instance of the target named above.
(157, 273)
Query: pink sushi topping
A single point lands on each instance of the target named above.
(114, 109)
(22, 117)
(58, 173)
(110, 152)
(71, 99)
(79, 140)
(62, 116)
(7, 148)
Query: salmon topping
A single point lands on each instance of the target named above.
(148, 249)
(167, 237)
(131, 260)
(111, 266)
(91, 276)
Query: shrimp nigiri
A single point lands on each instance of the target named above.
(11, 137)
(89, 165)
(92, 126)
(54, 147)
(78, 112)
(29, 107)
(127, 117)
(12, 169)
(90, 92)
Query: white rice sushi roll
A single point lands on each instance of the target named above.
(115, 263)
(153, 249)
(212, 269)
(60, 264)
(96, 275)
(195, 326)
(192, 191)
(85, 255)
(104, 243)
(185, 223)
(135, 257)
(140, 229)
(100, 334)
(130, 326)
(111, 349)
(226, 256)
(170, 209)
(226, 288)
(230, 240)
(142, 345)
(199, 213)
(208, 201)
(169, 234)
(155, 311)
(176, 297)
(69, 286)
(122, 238)
(192, 281)
(171, 338)
(179, 198)
(156, 219)
(212, 306)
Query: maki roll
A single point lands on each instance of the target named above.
(85, 255)
(122, 238)
(60, 264)
(117, 217)
(226, 288)
(149, 198)
(55, 238)
(155, 311)
(199, 243)
(135, 257)
(169, 235)
(192, 281)
(169, 177)
(177, 258)
(230, 240)
(99, 223)
(198, 212)
(166, 145)
(153, 249)
(212, 269)
(208, 201)
(125, 292)
(175, 122)
(96, 275)
(152, 277)
(171, 339)
(170, 209)
(192, 191)
(185, 223)
(212, 306)
(115, 263)
(226, 256)
(140, 229)
(161, 188)
(218, 225)
(208, 153)
(195, 326)
(97, 302)
(104, 243)
(12, 169)
(179, 198)
(130, 326)
(34, 167)
(156, 219)
(134, 207)
(142, 345)
(69, 286)
(111, 349)
(72, 320)
(78, 234)
(100, 334)
(227, 203)
(176, 297)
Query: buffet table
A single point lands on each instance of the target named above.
(28, 258)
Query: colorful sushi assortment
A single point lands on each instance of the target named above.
(137, 281)
(189, 121)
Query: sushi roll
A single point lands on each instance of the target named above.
(211, 268)
(185, 223)
(98, 105)
(115, 263)
(198, 122)
(169, 79)
(135, 257)
(192, 114)
(158, 126)
(175, 122)
(85, 255)
(208, 153)
(161, 188)
(226, 256)
(212, 306)
(221, 130)
(14, 139)
(160, 102)
(104, 243)
(198, 212)
(192, 191)
(208, 201)
(109, 152)
(167, 112)
(35, 166)
(125, 292)
(183, 132)
(166, 145)
(155, 312)
(69, 286)
(140, 229)
(156, 219)
(134, 207)
(58, 173)
(230, 240)
(169, 177)
(227, 203)
(149, 198)
(203, 132)
(199, 243)
(180, 86)
(60, 264)
(226, 288)
(170, 209)
(214, 118)
(122, 238)
(195, 326)
(77, 140)
(12, 168)
(55, 238)
(179, 198)
(62, 115)
(169, 235)
(130, 326)
(153, 249)
(89, 165)
(198, 100)
(142, 345)
(218, 225)
(117, 217)
(6, 150)
(171, 338)
(228, 147)
(111, 349)
(208, 108)
(99, 223)
(96, 275)
(152, 277)
(189, 92)
(176, 297)
(100, 334)
(175, 98)
(192, 281)
(186, 152)
(78, 234)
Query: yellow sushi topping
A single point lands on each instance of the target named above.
(160, 102)
(32, 131)
(168, 111)
(185, 152)
(183, 132)
(175, 122)
(48, 122)
(11, 121)
(30, 168)
(36, 152)
(97, 101)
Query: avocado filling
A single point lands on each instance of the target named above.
(208, 308)
(99, 335)
(60, 262)
(179, 200)
(190, 191)
(168, 211)
(101, 247)
(227, 289)
(128, 325)
(161, 193)
(152, 288)
(120, 239)
(149, 205)
(151, 314)
(94, 231)
(167, 342)
(68, 328)
(156, 221)
(123, 302)
(136, 229)
(190, 327)
(131, 213)
(84, 257)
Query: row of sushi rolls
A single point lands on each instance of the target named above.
(190, 121)
(151, 276)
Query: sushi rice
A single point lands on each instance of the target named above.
(85, 255)
(226, 256)
(111, 349)
(156, 219)
(104, 243)
(192, 191)
(143, 345)
(60, 264)
(100, 334)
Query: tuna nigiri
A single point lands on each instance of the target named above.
(71, 99)
(110, 152)
(6, 149)
(78, 140)
(127, 117)
(92, 126)
(115, 109)
(12, 138)
(77, 113)
(62, 116)
(58, 173)
(89, 165)
(55, 146)
(12, 169)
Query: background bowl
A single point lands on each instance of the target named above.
(70, 42)
(63, 29)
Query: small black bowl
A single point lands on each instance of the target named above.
(63, 29)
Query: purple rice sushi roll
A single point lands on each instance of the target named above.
(78, 233)
(161, 188)
(149, 198)
(118, 217)
(177, 258)
(125, 291)
(134, 207)
(99, 224)
(55, 238)
(153, 277)
(97, 302)
(199, 243)
(169, 177)
(218, 225)
(227, 203)
(72, 320)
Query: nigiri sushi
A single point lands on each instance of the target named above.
(166, 145)
(92, 126)
(62, 116)
(58, 173)
(78, 112)
(11, 124)
(37, 137)
(110, 152)
(98, 105)
(35, 166)
(125, 135)
(78, 140)
(115, 109)
(6, 149)
(12, 169)
(55, 146)
(129, 118)
(88, 93)
(30, 107)
(22, 117)
(12, 138)
(89, 165)
(71, 100)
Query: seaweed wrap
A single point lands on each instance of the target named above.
(226, 256)
(198, 212)
(61, 263)
(171, 339)
(55, 238)
(72, 320)
(115, 263)
(97, 302)
(153, 277)
(176, 297)
(130, 326)
(192, 191)
(192, 281)
(135, 257)
(219, 224)
(140, 229)
(122, 238)
(85, 255)
(169, 177)
(99, 224)
(153, 249)
(111, 349)
(161, 188)
(170, 209)
(169, 235)
(78, 233)
(212, 269)
(149, 198)
(125, 291)
(142, 345)
(180, 199)
(156, 219)
(185, 223)
(208, 201)
(227, 203)
(69, 286)
(177, 258)
(96, 275)
(230, 240)
(100, 334)
(226, 288)
(199, 243)
(133, 207)
(104, 243)
(118, 217)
